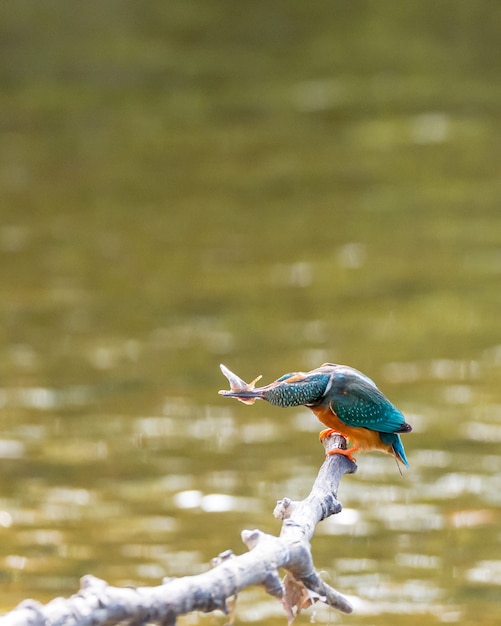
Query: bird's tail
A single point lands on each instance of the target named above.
(393, 440)
(398, 449)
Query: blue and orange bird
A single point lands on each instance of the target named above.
(342, 398)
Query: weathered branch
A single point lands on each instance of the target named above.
(100, 604)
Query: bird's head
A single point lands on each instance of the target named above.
(346, 384)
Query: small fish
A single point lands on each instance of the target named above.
(237, 385)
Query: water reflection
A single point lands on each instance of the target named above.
(45, 399)
(485, 572)
(213, 502)
(438, 369)
(11, 449)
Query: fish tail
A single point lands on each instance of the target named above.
(245, 392)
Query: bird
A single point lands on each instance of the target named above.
(342, 398)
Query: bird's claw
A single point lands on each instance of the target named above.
(346, 453)
(327, 432)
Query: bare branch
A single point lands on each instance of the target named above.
(100, 604)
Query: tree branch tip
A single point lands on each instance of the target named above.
(222, 557)
(251, 537)
(283, 508)
(92, 582)
(30, 605)
(341, 604)
(331, 596)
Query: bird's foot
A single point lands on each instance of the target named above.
(346, 453)
(327, 432)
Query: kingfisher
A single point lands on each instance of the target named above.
(342, 398)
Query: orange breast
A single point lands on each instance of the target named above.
(363, 438)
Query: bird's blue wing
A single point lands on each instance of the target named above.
(361, 404)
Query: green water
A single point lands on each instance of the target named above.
(270, 185)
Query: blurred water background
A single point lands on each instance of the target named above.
(270, 185)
